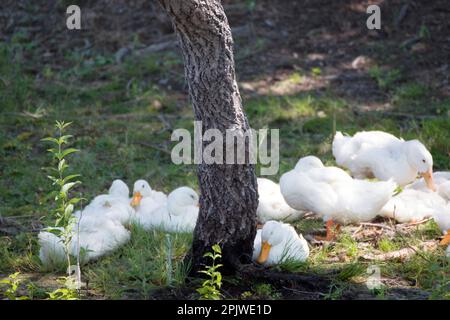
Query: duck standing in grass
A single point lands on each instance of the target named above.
(277, 242)
(333, 194)
(272, 205)
(383, 156)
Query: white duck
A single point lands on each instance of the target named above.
(277, 242)
(115, 205)
(331, 193)
(51, 251)
(97, 237)
(412, 205)
(441, 181)
(383, 156)
(272, 205)
(442, 218)
(179, 214)
(146, 201)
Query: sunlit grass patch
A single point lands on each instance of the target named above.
(386, 245)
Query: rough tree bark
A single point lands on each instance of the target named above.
(229, 195)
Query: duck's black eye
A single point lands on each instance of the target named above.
(423, 160)
(143, 186)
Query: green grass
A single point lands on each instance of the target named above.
(386, 79)
(122, 121)
(140, 267)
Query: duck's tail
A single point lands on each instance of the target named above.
(51, 250)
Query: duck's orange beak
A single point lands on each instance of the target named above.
(265, 250)
(137, 197)
(446, 239)
(428, 176)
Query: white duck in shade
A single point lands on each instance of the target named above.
(272, 205)
(95, 237)
(412, 205)
(177, 214)
(331, 193)
(383, 156)
(277, 242)
(98, 227)
(115, 205)
(146, 201)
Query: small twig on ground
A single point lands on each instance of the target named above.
(314, 241)
(357, 230)
(406, 241)
(402, 225)
(402, 254)
(377, 225)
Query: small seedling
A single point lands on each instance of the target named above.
(210, 289)
(12, 284)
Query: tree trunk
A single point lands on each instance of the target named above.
(229, 196)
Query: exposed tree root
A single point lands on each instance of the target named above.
(314, 286)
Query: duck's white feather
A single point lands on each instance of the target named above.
(289, 244)
(177, 212)
(441, 180)
(379, 154)
(146, 212)
(51, 251)
(115, 205)
(331, 193)
(93, 236)
(442, 218)
(97, 229)
(272, 205)
(412, 205)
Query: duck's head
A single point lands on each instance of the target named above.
(141, 189)
(119, 189)
(308, 163)
(181, 198)
(421, 160)
(272, 234)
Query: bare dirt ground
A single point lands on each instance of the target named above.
(271, 38)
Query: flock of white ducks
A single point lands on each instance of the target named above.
(329, 192)
(101, 227)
